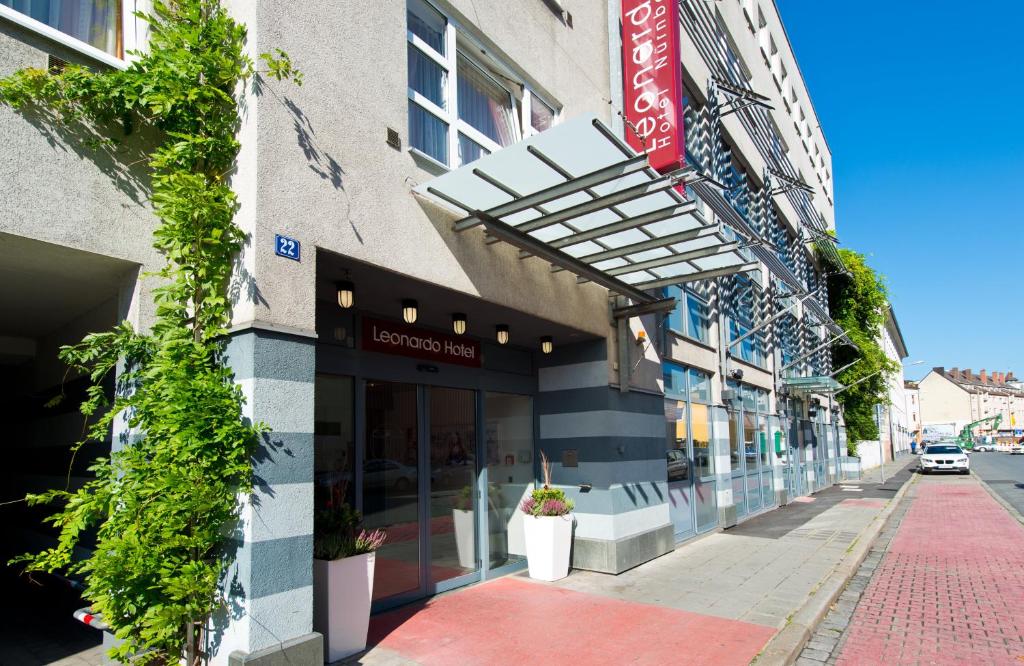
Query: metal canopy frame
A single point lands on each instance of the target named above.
(580, 198)
(818, 312)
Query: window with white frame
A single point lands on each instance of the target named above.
(95, 22)
(461, 108)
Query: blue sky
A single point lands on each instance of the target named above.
(922, 104)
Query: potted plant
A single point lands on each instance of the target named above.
(465, 532)
(548, 529)
(343, 561)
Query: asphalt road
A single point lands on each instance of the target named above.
(1003, 473)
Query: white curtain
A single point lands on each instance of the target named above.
(92, 21)
(484, 104)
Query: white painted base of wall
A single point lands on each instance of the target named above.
(869, 453)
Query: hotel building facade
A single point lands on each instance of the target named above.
(460, 258)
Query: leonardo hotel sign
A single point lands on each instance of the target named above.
(393, 338)
(652, 77)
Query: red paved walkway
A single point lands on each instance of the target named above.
(515, 621)
(950, 589)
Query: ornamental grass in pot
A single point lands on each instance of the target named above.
(344, 555)
(548, 529)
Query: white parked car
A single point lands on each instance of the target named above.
(944, 458)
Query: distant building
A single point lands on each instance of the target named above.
(893, 422)
(958, 397)
(912, 398)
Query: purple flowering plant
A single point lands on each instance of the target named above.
(546, 501)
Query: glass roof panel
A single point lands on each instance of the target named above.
(627, 237)
(554, 232)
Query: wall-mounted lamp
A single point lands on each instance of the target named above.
(346, 294)
(641, 338)
(459, 323)
(410, 310)
(737, 374)
(547, 344)
(502, 333)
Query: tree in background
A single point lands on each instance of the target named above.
(858, 300)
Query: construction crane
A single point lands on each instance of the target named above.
(966, 441)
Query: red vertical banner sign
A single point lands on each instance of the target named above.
(652, 78)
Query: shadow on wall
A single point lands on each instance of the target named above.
(320, 161)
(119, 151)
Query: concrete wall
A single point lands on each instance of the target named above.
(619, 441)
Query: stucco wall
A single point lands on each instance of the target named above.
(942, 401)
(60, 190)
(323, 174)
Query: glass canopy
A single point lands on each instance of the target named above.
(580, 198)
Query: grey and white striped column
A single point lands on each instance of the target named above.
(623, 520)
(269, 590)
(723, 469)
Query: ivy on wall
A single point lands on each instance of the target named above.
(163, 506)
(858, 301)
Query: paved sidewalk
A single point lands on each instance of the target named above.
(949, 589)
(716, 600)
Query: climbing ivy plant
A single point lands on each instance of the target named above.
(163, 505)
(858, 300)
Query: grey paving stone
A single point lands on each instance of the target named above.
(820, 655)
(807, 661)
(823, 644)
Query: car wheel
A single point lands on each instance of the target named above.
(402, 484)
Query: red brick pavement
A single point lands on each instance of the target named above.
(515, 621)
(950, 589)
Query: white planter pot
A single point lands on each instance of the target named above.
(548, 540)
(342, 592)
(465, 531)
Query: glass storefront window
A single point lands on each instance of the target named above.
(676, 456)
(333, 442)
(508, 446)
(734, 446)
(703, 460)
(700, 386)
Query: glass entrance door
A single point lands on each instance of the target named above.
(419, 484)
(390, 486)
(752, 462)
(452, 492)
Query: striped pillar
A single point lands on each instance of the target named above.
(270, 588)
(618, 440)
(723, 470)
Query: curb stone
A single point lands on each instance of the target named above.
(785, 647)
(997, 497)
